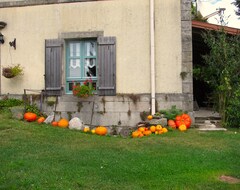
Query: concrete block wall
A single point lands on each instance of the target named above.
(120, 110)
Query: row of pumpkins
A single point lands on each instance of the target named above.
(63, 123)
(182, 123)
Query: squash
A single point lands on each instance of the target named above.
(63, 123)
(86, 129)
(164, 130)
(41, 120)
(183, 119)
(149, 117)
(147, 132)
(101, 130)
(141, 129)
(29, 116)
(152, 128)
(136, 134)
(182, 128)
(54, 123)
(158, 127)
(172, 124)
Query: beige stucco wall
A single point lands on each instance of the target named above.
(127, 20)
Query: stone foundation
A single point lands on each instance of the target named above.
(121, 110)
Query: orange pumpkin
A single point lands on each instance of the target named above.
(172, 124)
(147, 132)
(29, 116)
(165, 130)
(63, 123)
(152, 128)
(101, 130)
(182, 127)
(158, 127)
(183, 119)
(149, 117)
(41, 120)
(136, 134)
(141, 129)
(54, 123)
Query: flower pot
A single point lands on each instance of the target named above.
(7, 72)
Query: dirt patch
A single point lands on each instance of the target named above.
(229, 179)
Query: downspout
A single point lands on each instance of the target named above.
(0, 70)
(152, 57)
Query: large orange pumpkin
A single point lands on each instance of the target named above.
(101, 130)
(63, 123)
(183, 119)
(29, 116)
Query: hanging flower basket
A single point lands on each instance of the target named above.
(10, 72)
(6, 72)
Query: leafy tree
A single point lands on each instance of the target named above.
(222, 71)
(196, 15)
(237, 4)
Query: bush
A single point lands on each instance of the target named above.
(170, 113)
(10, 102)
(233, 110)
(33, 108)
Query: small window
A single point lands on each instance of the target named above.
(81, 63)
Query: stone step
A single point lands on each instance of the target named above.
(209, 126)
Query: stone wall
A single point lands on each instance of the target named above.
(120, 110)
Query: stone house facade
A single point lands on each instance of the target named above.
(138, 54)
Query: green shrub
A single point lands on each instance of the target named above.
(233, 110)
(33, 108)
(170, 113)
(10, 102)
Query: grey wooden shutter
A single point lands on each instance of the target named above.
(53, 65)
(107, 66)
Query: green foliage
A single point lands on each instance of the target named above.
(222, 68)
(10, 102)
(233, 110)
(33, 108)
(12, 71)
(196, 15)
(84, 90)
(170, 113)
(17, 70)
(237, 4)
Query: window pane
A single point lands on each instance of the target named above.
(90, 48)
(75, 49)
(70, 86)
(74, 68)
(90, 67)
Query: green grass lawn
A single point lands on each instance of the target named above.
(34, 156)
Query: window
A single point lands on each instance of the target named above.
(81, 63)
(85, 59)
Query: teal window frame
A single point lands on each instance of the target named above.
(81, 78)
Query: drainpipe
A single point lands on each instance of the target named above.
(152, 57)
(0, 70)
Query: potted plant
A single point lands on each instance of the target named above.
(85, 90)
(12, 71)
